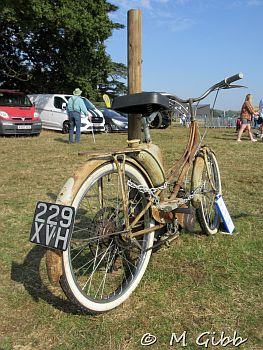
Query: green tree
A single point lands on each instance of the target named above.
(231, 113)
(55, 45)
(217, 113)
(221, 113)
(113, 85)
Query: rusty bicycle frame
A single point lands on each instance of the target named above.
(180, 168)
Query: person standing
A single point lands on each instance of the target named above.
(246, 114)
(183, 119)
(261, 118)
(75, 107)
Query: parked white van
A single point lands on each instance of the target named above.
(52, 112)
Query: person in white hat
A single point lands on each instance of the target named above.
(75, 107)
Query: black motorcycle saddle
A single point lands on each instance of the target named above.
(140, 103)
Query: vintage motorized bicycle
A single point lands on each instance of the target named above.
(126, 206)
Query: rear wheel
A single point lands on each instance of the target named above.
(102, 266)
(206, 181)
(65, 129)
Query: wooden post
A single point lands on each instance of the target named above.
(134, 68)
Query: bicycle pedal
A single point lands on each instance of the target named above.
(168, 241)
(171, 239)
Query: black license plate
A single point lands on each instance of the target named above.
(52, 225)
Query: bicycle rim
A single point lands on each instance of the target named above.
(207, 213)
(101, 266)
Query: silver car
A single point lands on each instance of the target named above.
(114, 121)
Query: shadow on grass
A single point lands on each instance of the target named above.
(226, 137)
(28, 273)
(240, 215)
(11, 136)
(52, 196)
(60, 139)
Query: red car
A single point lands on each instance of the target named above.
(17, 114)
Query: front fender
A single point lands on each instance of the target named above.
(197, 174)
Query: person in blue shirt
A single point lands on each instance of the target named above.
(75, 107)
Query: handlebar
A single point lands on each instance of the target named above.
(233, 78)
(223, 84)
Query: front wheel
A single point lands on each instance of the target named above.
(108, 128)
(207, 184)
(102, 266)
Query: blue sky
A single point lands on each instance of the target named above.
(188, 45)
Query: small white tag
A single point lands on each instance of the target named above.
(220, 204)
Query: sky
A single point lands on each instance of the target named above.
(188, 45)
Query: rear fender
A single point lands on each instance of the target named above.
(65, 197)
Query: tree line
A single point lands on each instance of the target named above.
(53, 46)
(221, 113)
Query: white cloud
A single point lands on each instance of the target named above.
(182, 2)
(175, 24)
(254, 2)
(146, 3)
(162, 11)
(248, 3)
(129, 4)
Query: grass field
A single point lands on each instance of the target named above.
(200, 284)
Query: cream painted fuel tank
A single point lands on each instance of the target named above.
(151, 159)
